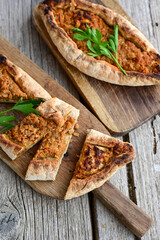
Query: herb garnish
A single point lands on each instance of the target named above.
(26, 107)
(95, 44)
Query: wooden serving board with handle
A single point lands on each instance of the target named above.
(119, 108)
(132, 216)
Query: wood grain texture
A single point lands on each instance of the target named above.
(139, 223)
(146, 180)
(119, 108)
(146, 168)
(37, 216)
(86, 120)
(145, 139)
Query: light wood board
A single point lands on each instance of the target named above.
(120, 108)
(133, 217)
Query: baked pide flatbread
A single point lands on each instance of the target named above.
(100, 158)
(16, 84)
(135, 54)
(53, 115)
(46, 162)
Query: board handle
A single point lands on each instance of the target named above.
(136, 220)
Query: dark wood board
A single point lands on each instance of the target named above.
(119, 108)
(132, 216)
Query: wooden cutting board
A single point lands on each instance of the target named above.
(132, 216)
(120, 108)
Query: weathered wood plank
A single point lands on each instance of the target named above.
(149, 200)
(146, 172)
(146, 166)
(36, 216)
(25, 214)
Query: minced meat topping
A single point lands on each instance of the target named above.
(34, 127)
(92, 160)
(9, 90)
(54, 142)
(30, 130)
(130, 57)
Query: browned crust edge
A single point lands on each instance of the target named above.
(78, 187)
(25, 82)
(102, 70)
(10, 148)
(57, 109)
(40, 170)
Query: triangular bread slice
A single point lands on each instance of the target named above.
(16, 84)
(100, 158)
(33, 128)
(47, 160)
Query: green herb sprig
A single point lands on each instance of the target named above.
(26, 107)
(4, 121)
(96, 46)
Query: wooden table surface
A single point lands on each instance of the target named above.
(25, 214)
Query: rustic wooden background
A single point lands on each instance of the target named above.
(25, 214)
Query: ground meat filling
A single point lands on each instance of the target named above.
(93, 159)
(130, 57)
(34, 127)
(54, 143)
(30, 130)
(9, 90)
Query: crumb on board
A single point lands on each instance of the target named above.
(76, 134)
(76, 126)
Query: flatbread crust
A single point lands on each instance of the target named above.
(80, 186)
(97, 68)
(25, 82)
(13, 146)
(46, 169)
(53, 109)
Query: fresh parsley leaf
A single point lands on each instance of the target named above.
(4, 122)
(112, 45)
(95, 36)
(7, 126)
(78, 30)
(6, 118)
(93, 54)
(97, 48)
(100, 48)
(105, 43)
(111, 37)
(105, 51)
(80, 37)
(35, 102)
(19, 101)
(116, 36)
(99, 36)
(88, 31)
(26, 108)
(89, 45)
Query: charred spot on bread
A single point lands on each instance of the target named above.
(47, 9)
(3, 59)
